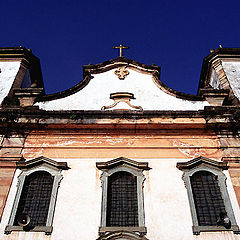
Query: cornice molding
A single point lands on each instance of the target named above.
(39, 161)
(201, 160)
(121, 161)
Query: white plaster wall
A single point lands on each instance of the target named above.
(8, 73)
(214, 80)
(232, 70)
(78, 207)
(96, 94)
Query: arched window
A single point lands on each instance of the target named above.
(207, 198)
(122, 204)
(35, 198)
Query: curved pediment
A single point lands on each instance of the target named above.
(201, 160)
(113, 78)
(120, 161)
(23, 164)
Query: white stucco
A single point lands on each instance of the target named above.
(97, 94)
(78, 206)
(214, 80)
(232, 70)
(8, 73)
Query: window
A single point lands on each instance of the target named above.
(208, 197)
(122, 204)
(36, 196)
(122, 198)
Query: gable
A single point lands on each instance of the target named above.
(148, 93)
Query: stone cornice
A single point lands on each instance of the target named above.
(201, 160)
(218, 117)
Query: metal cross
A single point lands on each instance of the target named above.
(120, 47)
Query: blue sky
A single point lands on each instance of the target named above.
(65, 35)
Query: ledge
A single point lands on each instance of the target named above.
(142, 230)
(198, 229)
(47, 229)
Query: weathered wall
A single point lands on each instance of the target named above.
(78, 207)
(6, 175)
(10, 153)
(230, 144)
(109, 143)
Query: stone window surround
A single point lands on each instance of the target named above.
(136, 170)
(55, 171)
(217, 171)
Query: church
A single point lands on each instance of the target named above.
(120, 155)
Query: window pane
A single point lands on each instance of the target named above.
(122, 205)
(207, 198)
(35, 198)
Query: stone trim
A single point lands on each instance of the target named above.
(121, 234)
(216, 169)
(142, 230)
(41, 164)
(27, 96)
(40, 160)
(198, 229)
(121, 160)
(10, 161)
(201, 160)
(214, 97)
(47, 229)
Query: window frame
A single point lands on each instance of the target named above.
(214, 167)
(29, 167)
(136, 169)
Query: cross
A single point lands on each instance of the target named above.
(120, 47)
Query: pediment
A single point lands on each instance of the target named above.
(201, 160)
(121, 161)
(121, 75)
(23, 164)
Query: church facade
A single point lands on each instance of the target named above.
(119, 155)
